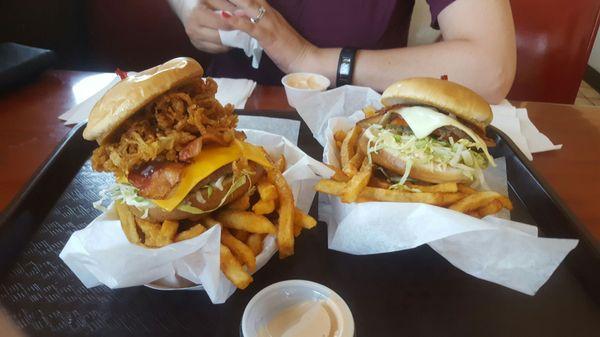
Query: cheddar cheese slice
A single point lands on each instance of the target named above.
(210, 159)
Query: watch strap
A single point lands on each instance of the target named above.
(345, 69)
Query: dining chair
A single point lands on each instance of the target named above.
(554, 42)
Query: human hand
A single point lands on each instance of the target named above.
(202, 23)
(284, 45)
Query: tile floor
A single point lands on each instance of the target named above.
(587, 95)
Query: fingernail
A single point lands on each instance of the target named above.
(226, 14)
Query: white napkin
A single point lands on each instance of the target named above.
(494, 249)
(518, 127)
(233, 91)
(101, 254)
(239, 39)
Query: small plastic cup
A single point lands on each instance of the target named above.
(282, 295)
(300, 86)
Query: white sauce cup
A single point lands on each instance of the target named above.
(300, 86)
(280, 296)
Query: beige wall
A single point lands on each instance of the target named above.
(595, 55)
(420, 32)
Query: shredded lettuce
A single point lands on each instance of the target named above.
(438, 154)
(237, 182)
(130, 195)
(125, 193)
(190, 209)
(199, 196)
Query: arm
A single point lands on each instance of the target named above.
(478, 50)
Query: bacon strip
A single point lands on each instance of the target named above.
(156, 180)
(191, 150)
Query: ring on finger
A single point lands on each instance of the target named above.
(259, 16)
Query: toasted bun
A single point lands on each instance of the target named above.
(157, 214)
(134, 92)
(443, 95)
(397, 164)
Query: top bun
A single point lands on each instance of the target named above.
(443, 95)
(132, 93)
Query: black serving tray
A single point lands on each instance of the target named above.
(409, 293)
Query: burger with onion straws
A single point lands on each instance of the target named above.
(172, 146)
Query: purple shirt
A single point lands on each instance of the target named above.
(361, 24)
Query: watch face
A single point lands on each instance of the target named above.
(345, 69)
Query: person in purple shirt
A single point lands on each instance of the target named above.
(477, 48)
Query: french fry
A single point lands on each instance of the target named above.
(239, 249)
(233, 270)
(358, 182)
(348, 148)
(304, 220)
(438, 199)
(338, 145)
(210, 222)
(243, 220)
(339, 135)
(475, 201)
(444, 187)
(285, 230)
(354, 164)
(297, 230)
(264, 207)
(381, 194)
(127, 222)
(266, 190)
(167, 233)
(462, 188)
(241, 204)
(369, 111)
(338, 174)
(491, 208)
(378, 182)
(255, 242)
(506, 203)
(330, 186)
(474, 214)
(189, 233)
(281, 163)
(268, 195)
(151, 231)
(240, 235)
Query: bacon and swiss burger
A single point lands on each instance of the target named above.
(426, 145)
(431, 130)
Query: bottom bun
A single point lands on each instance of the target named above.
(157, 214)
(423, 172)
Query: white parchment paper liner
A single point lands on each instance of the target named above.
(101, 254)
(494, 249)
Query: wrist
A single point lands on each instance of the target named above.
(345, 67)
(319, 60)
(305, 59)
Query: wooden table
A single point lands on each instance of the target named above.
(30, 130)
